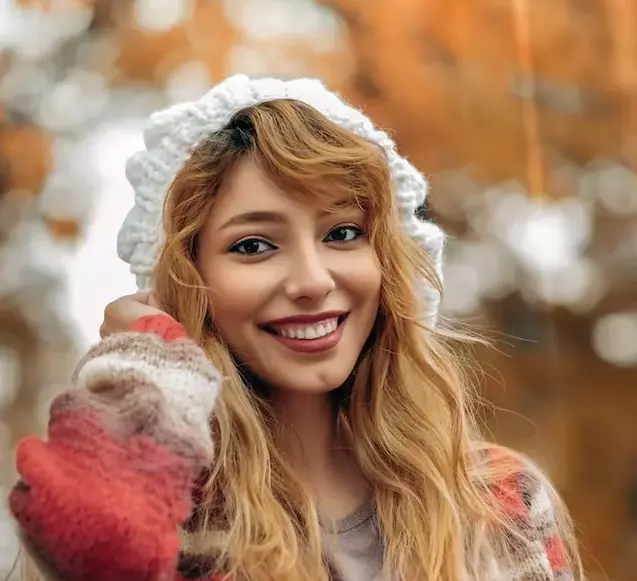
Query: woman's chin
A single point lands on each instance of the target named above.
(312, 382)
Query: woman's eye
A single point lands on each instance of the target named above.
(252, 247)
(344, 234)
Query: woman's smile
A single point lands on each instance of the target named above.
(294, 290)
(309, 334)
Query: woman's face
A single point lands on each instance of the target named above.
(294, 291)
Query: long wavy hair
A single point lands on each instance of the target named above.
(408, 412)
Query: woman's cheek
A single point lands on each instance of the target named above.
(239, 290)
(359, 270)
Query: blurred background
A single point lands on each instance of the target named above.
(522, 112)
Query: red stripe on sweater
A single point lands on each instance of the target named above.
(94, 526)
(508, 492)
(163, 325)
(556, 553)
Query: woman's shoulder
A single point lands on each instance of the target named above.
(533, 512)
(522, 490)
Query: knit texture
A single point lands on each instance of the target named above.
(539, 554)
(172, 134)
(102, 499)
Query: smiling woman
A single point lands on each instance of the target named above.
(297, 207)
(310, 270)
(291, 264)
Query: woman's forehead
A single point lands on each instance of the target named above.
(249, 188)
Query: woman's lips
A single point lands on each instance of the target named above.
(317, 345)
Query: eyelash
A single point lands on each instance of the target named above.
(358, 232)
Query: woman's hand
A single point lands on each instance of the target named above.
(120, 315)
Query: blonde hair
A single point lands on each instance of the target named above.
(408, 412)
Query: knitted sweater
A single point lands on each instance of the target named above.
(103, 497)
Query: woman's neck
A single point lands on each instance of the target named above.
(309, 432)
(316, 450)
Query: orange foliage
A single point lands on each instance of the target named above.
(206, 36)
(447, 75)
(63, 229)
(26, 152)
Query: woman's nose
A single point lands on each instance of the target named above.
(309, 277)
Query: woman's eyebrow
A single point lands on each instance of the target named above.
(257, 216)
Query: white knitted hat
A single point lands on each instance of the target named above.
(172, 134)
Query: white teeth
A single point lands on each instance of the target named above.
(311, 332)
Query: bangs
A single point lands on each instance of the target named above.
(315, 160)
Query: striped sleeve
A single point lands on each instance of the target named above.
(539, 554)
(102, 497)
(541, 516)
